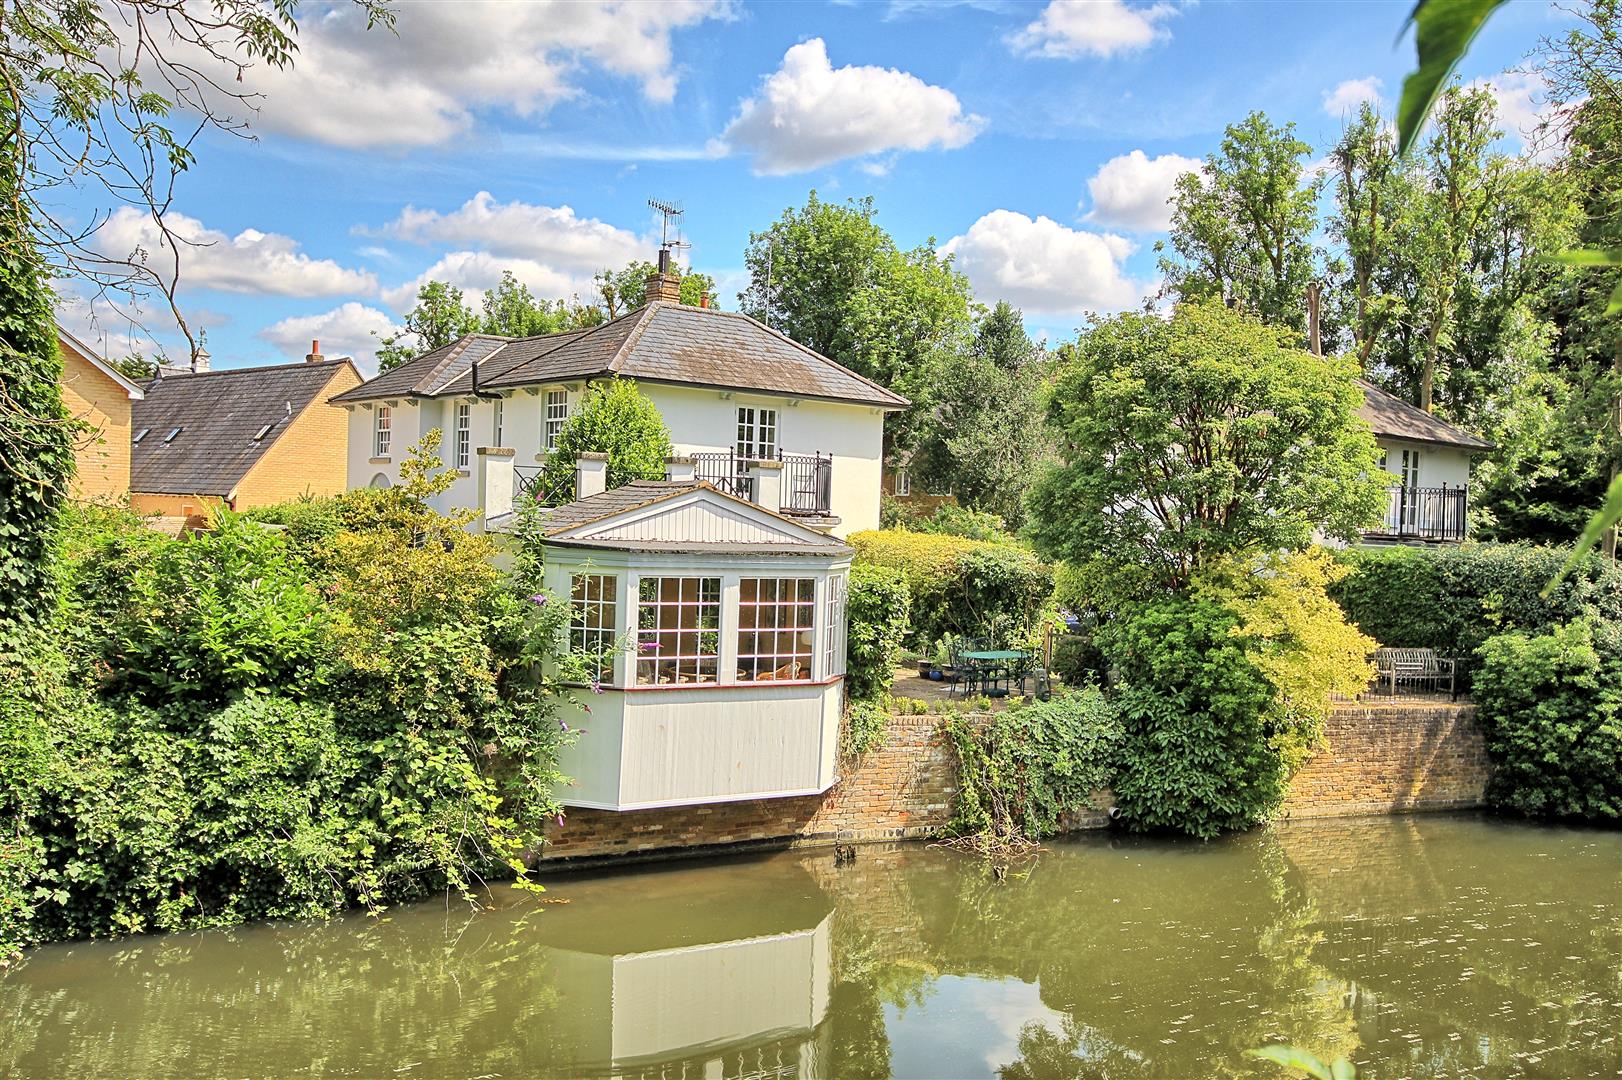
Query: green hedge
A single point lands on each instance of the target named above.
(878, 605)
(1550, 706)
(972, 588)
(1453, 599)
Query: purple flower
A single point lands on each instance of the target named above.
(560, 821)
(562, 723)
(596, 686)
(539, 599)
(649, 646)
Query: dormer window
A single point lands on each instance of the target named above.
(139, 435)
(169, 438)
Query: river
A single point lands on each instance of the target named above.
(1425, 946)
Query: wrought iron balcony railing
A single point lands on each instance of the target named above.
(1423, 513)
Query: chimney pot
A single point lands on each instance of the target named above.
(314, 356)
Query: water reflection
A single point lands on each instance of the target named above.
(1417, 947)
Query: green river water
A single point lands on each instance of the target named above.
(1418, 947)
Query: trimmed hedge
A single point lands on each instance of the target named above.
(961, 586)
(1550, 706)
(1454, 599)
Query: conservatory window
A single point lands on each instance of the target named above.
(382, 423)
(593, 616)
(776, 626)
(464, 433)
(557, 412)
(678, 638)
(757, 432)
(833, 661)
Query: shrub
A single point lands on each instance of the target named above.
(878, 612)
(613, 418)
(950, 519)
(1197, 752)
(1551, 708)
(1453, 599)
(1021, 770)
(961, 586)
(1078, 660)
(865, 725)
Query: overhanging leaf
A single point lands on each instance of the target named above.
(1443, 30)
(1292, 1057)
(1609, 514)
(1596, 257)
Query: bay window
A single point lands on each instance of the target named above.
(678, 636)
(776, 628)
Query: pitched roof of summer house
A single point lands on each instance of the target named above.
(204, 431)
(685, 516)
(1392, 417)
(659, 342)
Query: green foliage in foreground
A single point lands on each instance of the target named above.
(1022, 770)
(1550, 706)
(257, 723)
(1293, 1057)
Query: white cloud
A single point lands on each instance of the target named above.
(1134, 190)
(344, 331)
(1522, 102)
(1346, 96)
(1070, 28)
(1044, 267)
(553, 235)
(252, 262)
(425, 83)
(809, 114)
(474, 272)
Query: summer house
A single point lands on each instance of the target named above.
(718, 628)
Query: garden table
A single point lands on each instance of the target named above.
(990, 661)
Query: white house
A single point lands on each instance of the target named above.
(717, 628)
(1430, 461)
(730, 389)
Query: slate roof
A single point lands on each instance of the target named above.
(640, 493)
(1392, 417)
(218, 413)
(659, 342)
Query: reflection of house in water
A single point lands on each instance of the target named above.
(672, 990)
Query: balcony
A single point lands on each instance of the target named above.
(1435, 515)
(807, 480)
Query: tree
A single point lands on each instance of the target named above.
(1206, 436)
(1242, 228)
(627, 289)
(1369, 189)
(614, 418)
(439, 318)
(986, 437)
(830, 277)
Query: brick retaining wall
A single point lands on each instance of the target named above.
(1382, 758)
(1393, 757)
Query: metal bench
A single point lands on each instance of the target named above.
(1418, 668)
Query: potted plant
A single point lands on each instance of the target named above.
(942, 659)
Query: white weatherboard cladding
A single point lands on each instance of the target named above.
(697, 519)
(700, 421)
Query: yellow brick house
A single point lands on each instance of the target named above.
(102, 398)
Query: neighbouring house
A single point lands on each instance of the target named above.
(716, 626)
(240, 438)
(731, 390)
(1430, 461)
(102, 398)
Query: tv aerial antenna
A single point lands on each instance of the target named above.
(672, 213)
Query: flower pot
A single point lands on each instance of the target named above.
(935, 674)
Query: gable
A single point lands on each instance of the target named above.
(697, 518)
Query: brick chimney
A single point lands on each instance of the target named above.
(664, 283)
(314, 355)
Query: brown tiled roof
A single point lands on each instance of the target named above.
(607, 504)
(218, 414)
(660, 342)
(1392, 417)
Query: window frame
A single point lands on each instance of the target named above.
(836, 627)
(382, 431)
(757, 432)
(463, 428)
(497, 420)
(762, 664)
(903, 482)
(549, 432)
(583, 634)
(692, 662)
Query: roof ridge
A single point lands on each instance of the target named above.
(746, 317)
(300, 364)
(646, 311)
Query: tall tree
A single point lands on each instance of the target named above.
(830, 277)
(985, 439)
(1369, 192)
(1242, 228)
(439, 318)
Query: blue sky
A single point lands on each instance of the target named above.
(1037, 140)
